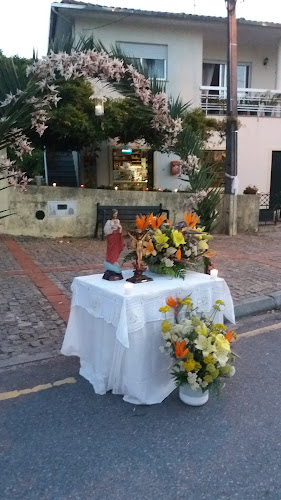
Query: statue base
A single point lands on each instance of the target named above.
(112, 276)
(139, 277)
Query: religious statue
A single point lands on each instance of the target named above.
(137, 240)
(115, 245)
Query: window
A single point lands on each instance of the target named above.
(215, 75)
(153, 57)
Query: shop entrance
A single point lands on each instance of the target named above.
(132, 168)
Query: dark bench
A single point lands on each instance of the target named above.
(125, 214)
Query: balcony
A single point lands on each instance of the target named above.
(250, 102)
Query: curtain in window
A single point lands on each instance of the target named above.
(155, 68)
(208, 73)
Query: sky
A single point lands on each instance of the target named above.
(24, 24)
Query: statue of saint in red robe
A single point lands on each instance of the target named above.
(115, 245)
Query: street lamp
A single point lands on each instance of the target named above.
(99, 106)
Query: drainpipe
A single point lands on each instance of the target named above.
(46, 167)
(278, 69)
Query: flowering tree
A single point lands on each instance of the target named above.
(25, 100)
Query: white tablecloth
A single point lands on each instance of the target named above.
(117, 335)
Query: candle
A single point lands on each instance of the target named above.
(214, 273)
(128, 287)
(175, 190)
(54, 184)
(82, 185)
(116, 187)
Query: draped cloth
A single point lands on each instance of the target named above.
(117, 334)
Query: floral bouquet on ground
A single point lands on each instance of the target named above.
(171, 250)
(200, 348)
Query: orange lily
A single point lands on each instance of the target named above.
(148, 248)
(191, 220)
(180, 349)
(171, 302)
(230, 336)
(169, 222)
(178, 254)
(157, 221)
(142, 222)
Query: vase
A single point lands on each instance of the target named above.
(193, 397)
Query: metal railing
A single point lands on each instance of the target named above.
(270, 207)
(255, 102)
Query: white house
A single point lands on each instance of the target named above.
(189, 52)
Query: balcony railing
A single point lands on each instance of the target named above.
(256, 102)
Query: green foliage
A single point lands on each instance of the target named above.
(191, 142)
(30, 164)
(203, 126)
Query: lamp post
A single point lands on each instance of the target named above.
(231, 123)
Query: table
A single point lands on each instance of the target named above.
(117, 335)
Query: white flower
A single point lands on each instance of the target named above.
(166, 335)
(170, 251)
(204, 384)
(161, 349)
(168, 262)
(221, 357)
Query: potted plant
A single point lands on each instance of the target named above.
(199, 347)
(251, 190)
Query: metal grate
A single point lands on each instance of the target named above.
(270, 207)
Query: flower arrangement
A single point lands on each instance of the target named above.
(200, 348)
(171, 250)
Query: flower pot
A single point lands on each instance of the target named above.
(193, 397)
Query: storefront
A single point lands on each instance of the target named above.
(132, 168)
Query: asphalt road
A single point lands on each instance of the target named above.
(67, 443)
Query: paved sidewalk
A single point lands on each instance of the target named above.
(36, 275)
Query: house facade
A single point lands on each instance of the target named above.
(189, 53)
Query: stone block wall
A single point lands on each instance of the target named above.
(25, 206)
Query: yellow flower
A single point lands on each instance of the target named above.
(187, 302)
(161, 240)
(195, 321)
(203, 330)
(219, 326)
(178, 238)
(224, 370)
(164, 309)
(202, 245)
(189, 365)
(166, 326)
(220, 302)
(221, 343)
(208, 379)
(212, 370)
(197, 366)
(209, 359)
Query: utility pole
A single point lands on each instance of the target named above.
(231, 124)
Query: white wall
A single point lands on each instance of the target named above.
(257, 138)
(162, 172)
(261, 77)
(185, 46)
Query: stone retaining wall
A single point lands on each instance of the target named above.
(25, 206)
